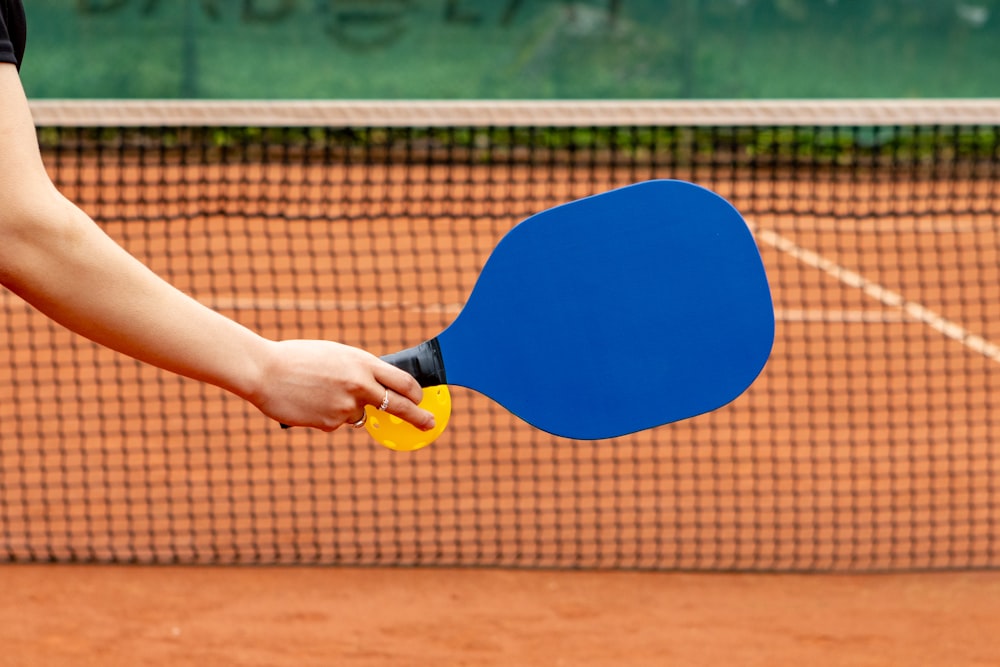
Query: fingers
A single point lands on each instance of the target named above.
(402, 407)
(400, 396)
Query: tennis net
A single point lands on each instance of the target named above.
(869, 442)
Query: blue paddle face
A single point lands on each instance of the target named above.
(616, 313)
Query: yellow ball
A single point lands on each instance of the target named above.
(394, 433)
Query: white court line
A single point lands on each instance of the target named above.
(880, 225)
(841, 316)
(884, 295)
(334, 305)
(233, 302)
(903, 311)
(331, 305)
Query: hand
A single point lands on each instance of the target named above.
(324, 385)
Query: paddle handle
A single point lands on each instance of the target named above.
(424, 362)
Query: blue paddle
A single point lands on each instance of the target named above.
(608, 315)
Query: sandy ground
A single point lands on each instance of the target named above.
(303, 616)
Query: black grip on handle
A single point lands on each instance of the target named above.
(423, 362)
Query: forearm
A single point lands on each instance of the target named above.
(66, 267)
(62, 263)
(55, 257)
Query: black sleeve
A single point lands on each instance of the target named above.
(13, 31)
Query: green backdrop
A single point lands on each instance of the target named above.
(494, 49)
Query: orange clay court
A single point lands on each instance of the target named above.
(842, 512)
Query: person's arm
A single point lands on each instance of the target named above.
(57, 259)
